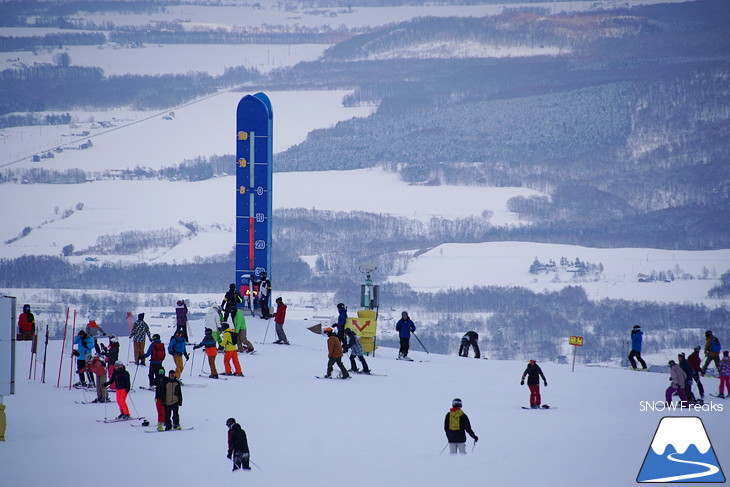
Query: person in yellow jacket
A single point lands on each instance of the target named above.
(335, 353)
(231, 351)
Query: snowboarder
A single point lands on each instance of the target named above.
(26, 324)
(156, 353)
(231, 299)
(712, 351)
(237, 446)
(354, 346)
(279, 317)
(264, 294)
(140, 329)
(334, 354)
(181, 318)
(469, 339)
(533, 373)
(172, 400)
(724, 369)
(211, 351)
(456, 425)
(636, 339)
(404, 327)
(678, 378)
(177, 349)
(84, 346)
(341, 321)
(239, 324)
(229, 345)
(695, 361)
(122, 384)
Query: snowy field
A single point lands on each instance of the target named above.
(385, 431)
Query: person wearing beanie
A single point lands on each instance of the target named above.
(724, 369)
(456, 425)
(122, 384)
(156, 353)
(26, 324)
(696, 363)
(712, 351)
(238, 451)
(636, 338)
(84, 345)
(334, 354)
(533, 372)
(140, 329)
(404, 327)
(279, 317)
(211, 351)
(230, 300)
(160, 398)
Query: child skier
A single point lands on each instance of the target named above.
(334, 354)
(355, 348)
(456, 425)
(172, 400)
(231, 355)
(237, 446)
(724, 370)
(211, 351)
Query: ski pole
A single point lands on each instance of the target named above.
(474, 446)
(192, 363)
(136, 413)
(254, 464)
(444, 448)
(419, 341)
(135, 375)
(267, 330)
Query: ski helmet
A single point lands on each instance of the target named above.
(230, 422)
(340, 305)
(328, 330)
(156, 336)
(456, 403)
(708, 333)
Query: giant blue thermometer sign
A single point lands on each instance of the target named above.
(254, 151)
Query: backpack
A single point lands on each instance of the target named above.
(234, 337)
(158, 352)
(715, 345)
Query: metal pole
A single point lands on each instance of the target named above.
(575, 351)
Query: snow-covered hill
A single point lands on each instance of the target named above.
(385, 431)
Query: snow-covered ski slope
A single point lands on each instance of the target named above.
(385, 431)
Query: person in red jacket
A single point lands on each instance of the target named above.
(26, 324)
(696, 363)
(279, 317)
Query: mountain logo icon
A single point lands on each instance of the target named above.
(681, 452)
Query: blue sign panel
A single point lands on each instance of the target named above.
(254, 155)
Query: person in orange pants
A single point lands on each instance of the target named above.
(120, 377)
(231, 352)
(211, 351)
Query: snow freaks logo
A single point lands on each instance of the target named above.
(681, 452)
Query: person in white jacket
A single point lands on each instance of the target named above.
(677, 378)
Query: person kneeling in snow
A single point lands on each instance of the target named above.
(237, 445)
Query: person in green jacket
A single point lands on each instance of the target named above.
(239, 327)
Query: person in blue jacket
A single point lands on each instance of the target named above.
(636, 338)
(176, 348)
(84, 345)
(341, 321)
(404, 327)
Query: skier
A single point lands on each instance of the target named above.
(469, 339)
(724, 369)
(712, 351)
(341, 321)
(94, 330)
(279, 317)
(177, 349)
(687, 369)
(213, 321)
(334, 354)
(533, 373)
(181, 318)
(26, 324)
(172, 400)
(355, 348)
(404, 327)
(456, 425)
(111, 353)
(678, 378)
(160, 398)
(636, 339)
(229, 345)
(96, 367)
(695, 361)
(139, 330)
(239, 323)
(84, 346)
(237, 445)
(211, 351)
(156, 353)
(264, 294)
(230, 301)
(122, 384)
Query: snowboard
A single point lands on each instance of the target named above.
(168, 431)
